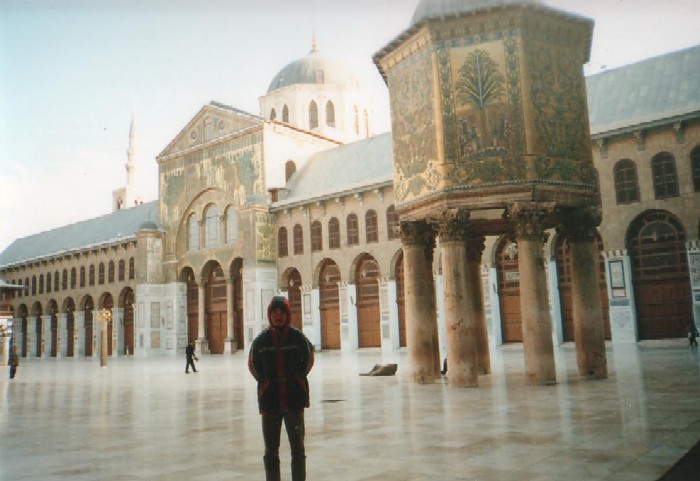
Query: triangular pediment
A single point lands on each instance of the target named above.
(213, 121)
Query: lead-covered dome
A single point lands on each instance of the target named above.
(315, 68)
(444, 8)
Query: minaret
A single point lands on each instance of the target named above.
(130, 167)
(129, 195)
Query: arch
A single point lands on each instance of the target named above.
(211, 226)
(334, 233)
(126, 303)
(329, 299)
(695, 167)
(626, 183)
(367, 275)
(663, 168)
(330, 114)
(88, 308)
(215, 308)
(313, 115)
(292, 280)
(509, 289)
(282, 242)
(563, 263)
(285, 114)
(316, 236)
(660, 275)
(69, 308)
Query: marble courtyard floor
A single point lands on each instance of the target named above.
(148, 420)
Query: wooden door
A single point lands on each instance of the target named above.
(368, 313)
(509, 291)
(39, 336)
(215, 321)
(70, 333)
(54, 335)
(88, 332)
(660, 276)
(192, 309)
(563, 263)
(330, 306)
(238, 308)
(295, 299)
(401, 301)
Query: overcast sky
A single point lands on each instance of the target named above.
(72, 73)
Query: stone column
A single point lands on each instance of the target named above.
(201, 344)
(460, 319)
(475, 248)
(528, 219)
(61, 334)
(230, 341)
(417, 238)
(32, 336)
(78, 334)
(579, 228)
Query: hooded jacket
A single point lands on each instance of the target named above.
(280, 358)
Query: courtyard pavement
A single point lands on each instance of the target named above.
(147, 420)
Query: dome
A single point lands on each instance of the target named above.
(315, 68)
(445, 8)
(148, 225)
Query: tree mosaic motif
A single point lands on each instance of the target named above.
(481, 88)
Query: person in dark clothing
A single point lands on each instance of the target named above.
(280, 359)
(14, 362)
(189, 352)
(692, 334)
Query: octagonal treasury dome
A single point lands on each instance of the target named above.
(315, 68)
(428, 9)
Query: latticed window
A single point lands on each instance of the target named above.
(26, 286)
(353, 231)
(122, 270)
(131, 268)
(110, 272)
(82, 276)
(695, 165)
(56, 281)
(101, 274)
(285, 114)
(91, 275)
(48, 283)
(64, 280)
(663, 167)
(298, 234)
(192, 233)
(330, 114)
(371, 230)
(73, 278)
(392, 223)
(211, 227)
(316, 236)
(626, 186)
(282, 242)
(231, 226)
(334, 233)
(41, 284)
(313, 115)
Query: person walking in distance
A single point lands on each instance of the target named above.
(14, 362)
(692, 334)
(280, 359)
(189, 352)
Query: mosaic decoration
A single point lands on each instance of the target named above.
(265, 237)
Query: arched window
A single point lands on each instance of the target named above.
(101, 274)
(371, 231)
(316, 236)
(334, 233)
(313, 115)
(357, 121)
(231, 226)
(82, 276)
(392, 223)
(211, 226)
(273, 115)
(353, 231)
(91, 275)
(290, 167)
(56, 281)
(131, 268)
(73, 278)
(282, 242)
(110, 272)
(34, 285)
(285, 114)
(122, 270)
(298, 234)
(48, 283)
(330, 114)
(663, 168)
(192, 233)
(626, 186)
(695, 166)
(64, 280)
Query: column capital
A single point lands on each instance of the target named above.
(579, 224)
(417, 233)
(453, 225)
(475, 248)
(529, 219)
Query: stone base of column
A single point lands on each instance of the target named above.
(230, 346)
(201, 346)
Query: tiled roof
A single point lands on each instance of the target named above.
(111, 228)
(341, 170)
(653, 90)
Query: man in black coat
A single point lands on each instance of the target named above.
(280, 359)
(189, 352)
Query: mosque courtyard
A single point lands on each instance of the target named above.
(148, 420)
